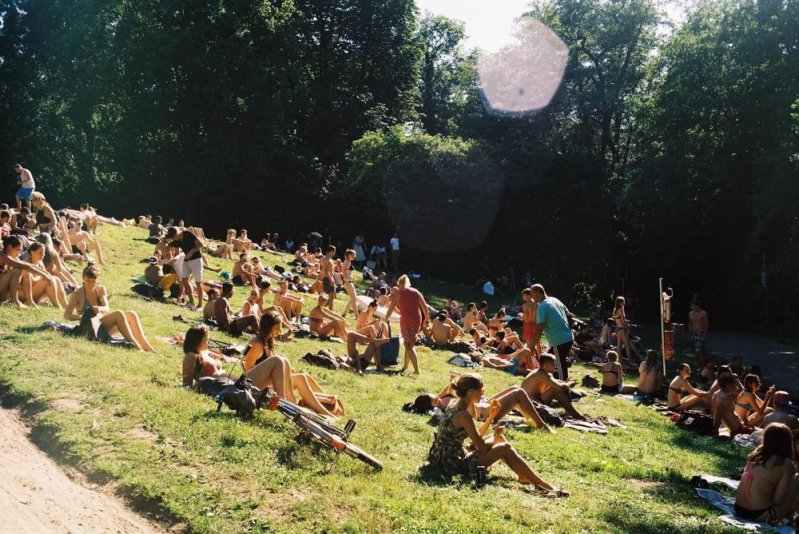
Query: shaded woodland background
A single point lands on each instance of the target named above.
(664, 153)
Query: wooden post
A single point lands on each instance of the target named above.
(662, 326)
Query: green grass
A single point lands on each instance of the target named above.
(122, 418)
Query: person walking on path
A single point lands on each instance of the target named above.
(413, 316)
(552, 321)
(395, 251)
(698, 326)
(26, 186)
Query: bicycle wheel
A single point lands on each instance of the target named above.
(356, 452)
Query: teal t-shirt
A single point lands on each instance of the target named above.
(552, 314)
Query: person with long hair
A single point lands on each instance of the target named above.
(53, 262)
(622, 329)
(448, 452)
(325, 322)
(682, 395)
(413, 316)
(91, 302)
(349, 287)
(11, 266)
(197, 362)
(266, 369)
(748, 406)
(649, 374)
(36, 288)
(770, 484)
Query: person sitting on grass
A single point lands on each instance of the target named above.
(98, 322)
(471, 319)
(250, 306)
(369, 325)
(197, 362)
(242, 243)
(748, 406)
(265, 287)
(682, 395)
(266, 369)
(542, 387)
(448, 452)
(723, 407)
(769, 488)
(36, 288)
(243, 274)
(225, 250)
(612, 374)
(444, 331)
(478, 337)
(9, 263)
(208, 309)
(372, 352)
(290, 304)
(781, 400)
(505, 342)
(649, 375)
(708, 373)
(383, 298)
(54, 263)
(225, 319)
(324, 322)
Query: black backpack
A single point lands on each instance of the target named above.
(696, 421)
(148, 291)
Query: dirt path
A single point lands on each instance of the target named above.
(779, 362)
(36, 495)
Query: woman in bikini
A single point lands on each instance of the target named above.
(325, 322)
(225, 250)
(11, 266)
(496, 323)
(367, 324)
(448, 452)
(748, 406)
(265, 368)
(35, 287)
(197, 360)
(53, 262)
(471, 319)
(91, 301)
(612, 374)
(349, 287)
(291, 305)
(682, 395)
(49, 218)
(622, 329)
(770, 484)
(649, 375)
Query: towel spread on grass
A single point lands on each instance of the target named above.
(727, 505)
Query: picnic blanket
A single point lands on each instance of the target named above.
(727, 505)
(69, 330)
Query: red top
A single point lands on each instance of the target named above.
(409, 304)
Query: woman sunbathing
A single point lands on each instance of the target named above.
(649, 375)
(54, 263)
(81, 242)
(225, 250)
(349, 287)
(471, 320)
(448, 452)
(266, 369)
(682, 395)
(325, 322)
(748, 406)
(11, 266)
(49, 218)
(197, 361)
(291, 305)
(770, 484)
(612, 374)
(91, 302)
(496, 323)
(367, 323)
(35, 287)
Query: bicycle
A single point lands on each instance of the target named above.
(316, 428)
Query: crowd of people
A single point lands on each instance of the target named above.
(538, 340)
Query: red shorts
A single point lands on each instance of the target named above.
(409, 332)
(527, 332)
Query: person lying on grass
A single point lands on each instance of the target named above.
(769, 488)
(36, 288)
(266, 369)
(748, 406)
(497, 322)
(504, 342)
(478, 337)
(723, 407)
(542, 387)
(91, 302)
(325, 322)
(511, 398)
(682, 395)
(225, 319)
(9, 262)
(448, 452)
(649, 375)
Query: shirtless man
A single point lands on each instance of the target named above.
(443, 330)
(781, 400)
(326, 275)
(540, 386)
(291, 305)
(336, 325)
(698, 326)
(242, 243)
(723, 407)
(242, 271)
(81, 242)
(471, 319)
(529, 307)
(225, 319)
(371, 353)
(208, 309)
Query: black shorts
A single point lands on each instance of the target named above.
(749, 515)
(237, 280)
(75, 249)
(328, 286)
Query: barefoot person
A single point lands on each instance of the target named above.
(10, 262)
(326, 275)
(542, 387)
(529, 308)
(448, 452)
(413, 316)
(326, 323)
(552, 321)
(26, 186)
(682, 395)
(225, 319)
(36, 288)
(769, 485)
(91, 302)
(191, 246)
(349, 287)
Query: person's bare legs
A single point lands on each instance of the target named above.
(96, 246)
(137, 330)
(513, 397)
(331, 299)
(690, 401)
(116, 321)
(275, 371)
(351, 305)
(410, 355)
(563, 399)
(505, 452)
(22, 281)
(247, 323)
(187, 290)
(306, 391)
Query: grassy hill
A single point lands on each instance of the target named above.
(122, 418)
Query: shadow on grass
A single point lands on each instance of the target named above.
(433, 476)
(727, 458)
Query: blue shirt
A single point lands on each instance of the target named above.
(552, 314)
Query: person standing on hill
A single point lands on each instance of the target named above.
(395, 251)
(413, 316)
(26, 186)
(326, 275)
(552, 321)
(192, 248)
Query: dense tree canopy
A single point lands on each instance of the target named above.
(662, 154)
